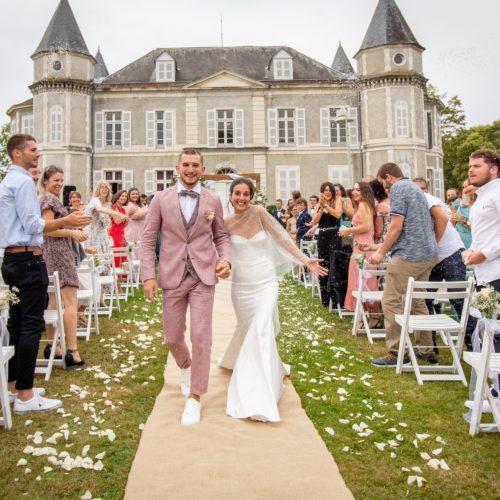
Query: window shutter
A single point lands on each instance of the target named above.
(272, 126)
(99, 130)
(97, 177)
(149, 182)
(324, 126)
(211, 129)
(128, 179)
(239, 128)
(438, 183)
(169, 128)
(301, 126)
(126, 118)
(352, 115)
(150, 129)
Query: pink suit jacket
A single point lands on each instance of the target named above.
(207, 242)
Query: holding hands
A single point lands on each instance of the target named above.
(222, 269)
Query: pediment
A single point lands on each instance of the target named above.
(224, 79)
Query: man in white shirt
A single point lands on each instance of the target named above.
(484, 253)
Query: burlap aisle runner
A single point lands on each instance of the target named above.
(226, 458)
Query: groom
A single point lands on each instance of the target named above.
(194, 252)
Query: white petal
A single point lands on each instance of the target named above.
(398, 406)
(425, 456)
(437, 451)
(416, 468)
(433, 463)
(100, 456)
(85, 450)
(28, 422)
(86, 496)
(141, 426)
(443, 465)
(47, 469)
(330, 431)
(422, 437)
(22, 461)
(380, 446)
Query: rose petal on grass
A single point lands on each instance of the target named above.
(141, 427)
(425, 456)
(86, 496)
(47, 469)
(100, 456)
(422, 437)
(330, 431)
(380, 446)
(443, 465)
(398, 406)
(416, 468)
(439, 439)
(437, 451)
(22, 462)
(418, 479)
(28, 422)
(433, 463)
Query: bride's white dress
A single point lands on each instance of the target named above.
(257, 381)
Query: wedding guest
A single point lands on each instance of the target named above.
(303, 223)
(75, 202)
(327, 216)
(412, 243)
(58, 255)
(313, 201)
(362, 231)
(296, 195)
(146, 200)
(382, 209)
(118, 223)
(291, 223)
(460, 217)
(23, 267)
(452, 195)
(35, 173)
(99, 208)
(484, 252)
(279, 212)
(136, 213)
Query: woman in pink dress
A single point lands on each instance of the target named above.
(117, 231)
(362, 231)
(136, 212)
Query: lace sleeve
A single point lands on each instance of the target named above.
(282, 242)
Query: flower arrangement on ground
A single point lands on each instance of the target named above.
(486, 301)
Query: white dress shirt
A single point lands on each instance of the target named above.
(188, 203)
(485, 228)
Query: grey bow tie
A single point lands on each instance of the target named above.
(189, 192)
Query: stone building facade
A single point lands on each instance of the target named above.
(270, 111)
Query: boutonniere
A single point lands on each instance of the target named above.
(209, 215)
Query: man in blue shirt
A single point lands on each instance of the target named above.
(21, 235)
(413, 247)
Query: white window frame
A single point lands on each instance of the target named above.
(287, 180)
(438, 184)
(401, 119)
(114, 179)
(165, 68)
(152, 183)
(289, 136)
(283, 66)
(298, 121)
(429, 177)
(27, 125)
(235, 123)
(350, 127)
(225, 125)
(113, 123)
(154, 132)
(56, 123)
(340, 174)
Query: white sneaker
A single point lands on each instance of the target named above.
(37, 390)
(36, 403)
(186, 381)
(192, 412)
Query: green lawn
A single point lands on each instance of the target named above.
(332, 373)
(363, 405)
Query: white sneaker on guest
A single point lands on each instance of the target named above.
(37, 390)
(192, 412)
(186, 381)
(36, 403)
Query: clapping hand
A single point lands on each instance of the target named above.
(78, 235)
(77, 219)
(314, 267)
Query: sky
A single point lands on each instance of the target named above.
(462, 38)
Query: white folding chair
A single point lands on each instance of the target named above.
(441, 323)
(364, 296)
(88, 296)
(108, 281)
(135, 266)
(122, 272)
(6, 352)
(55, 318)
(485, 363)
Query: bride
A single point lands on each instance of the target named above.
(262, 252)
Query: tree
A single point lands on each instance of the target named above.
(4, 157)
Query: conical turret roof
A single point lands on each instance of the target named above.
(388, 27)
(100, 69)
(341, 62)
(63, 32)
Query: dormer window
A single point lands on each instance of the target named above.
(165, 68)
(283, 66)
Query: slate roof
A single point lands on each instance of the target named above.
(195, 63)
(63, 32)
(100, 69)
(388, 27)
(341, 62)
